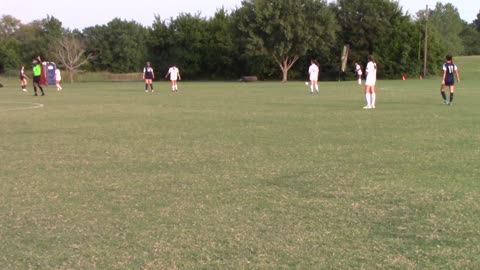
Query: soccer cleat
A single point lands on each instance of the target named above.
(367, 107)
(445, 102)
(373, 106)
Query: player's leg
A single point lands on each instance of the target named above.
(442, 92)
(368, 96)
(452, 93)
(373, 97)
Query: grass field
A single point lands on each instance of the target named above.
(241, 176)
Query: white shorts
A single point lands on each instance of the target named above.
(370, 81)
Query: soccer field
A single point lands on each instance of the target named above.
(240, 176)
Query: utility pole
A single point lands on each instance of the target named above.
(425, 53)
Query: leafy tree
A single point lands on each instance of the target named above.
(446, 20)
(188, 34)
(476, 22)
(8, 26)
(285, 29)
(471, 40)
(9, 54)
(120, 46)
(220, 48)
(9, 45)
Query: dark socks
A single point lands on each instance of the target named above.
(151, 86)
(451, 97)
(444, 96)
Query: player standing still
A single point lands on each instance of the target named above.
(37, 72)
(148, 76)
(358, 72)
(58, 79)
(174, 76)
(23, 79)
(370, 82)
(314, 71)
(449, 69)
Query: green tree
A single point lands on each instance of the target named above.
(188, 34)
(471, 40)
(120, 46)
(286, 29)
(446, 20)
(476, 22)
(10, 47)
(8, 25)
(220, 47)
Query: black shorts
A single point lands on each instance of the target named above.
(449, 83)
(36, 79)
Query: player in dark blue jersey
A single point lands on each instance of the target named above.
(148, 76)
(449, 72)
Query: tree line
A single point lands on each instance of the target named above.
(271, 39)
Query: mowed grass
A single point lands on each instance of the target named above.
(241, 176)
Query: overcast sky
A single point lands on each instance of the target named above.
(87, 13)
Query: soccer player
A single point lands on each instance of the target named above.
(148, 76)
(314, 71)
(449, 69)
(358, 72)
(174, 75)
(371, 72)
(23, 79)
(58, 78)
(37, 72)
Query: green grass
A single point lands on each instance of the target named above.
(241, 176)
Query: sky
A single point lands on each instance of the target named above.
(86, 13)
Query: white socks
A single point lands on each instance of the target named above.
(371, 98)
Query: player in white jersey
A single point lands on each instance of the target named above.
(58, 78)
(174, 76)
(314, 71)
(370, 82)
(358, 72)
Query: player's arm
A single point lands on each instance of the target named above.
(167, 74)
(458, 75)
(153, 74)
(179, 77)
